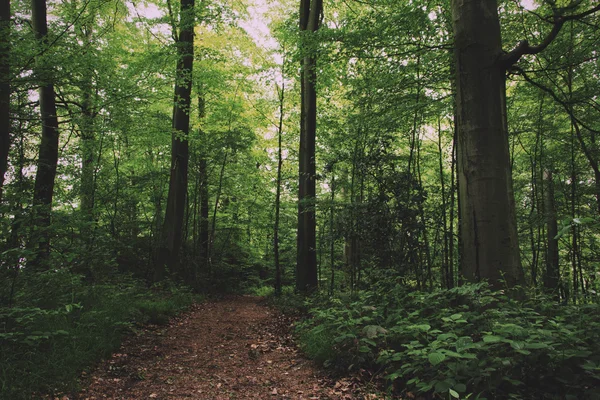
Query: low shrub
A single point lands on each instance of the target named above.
(460, 343)
(44, 350)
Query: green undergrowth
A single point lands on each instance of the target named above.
(467, 342)
(47, 340)
(289, 302)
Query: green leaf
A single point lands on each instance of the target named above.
(536, 345)
(445, 336)
(394, 375)
(371, 331)
(454, 394)
(443, 386)
(436, 358)
(492, 339)
(421, 327)
(461, 388)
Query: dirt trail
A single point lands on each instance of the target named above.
(237, 348)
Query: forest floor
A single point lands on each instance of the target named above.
(231, 348)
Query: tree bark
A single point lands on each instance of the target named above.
(4, 89)
(446, 277)
(172, 231)
(204, 210)
(552, 267)
(490, 249)
(278, 183)
(48, 150)
(306, 265)
(332, 233)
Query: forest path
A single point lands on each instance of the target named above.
(234, 348)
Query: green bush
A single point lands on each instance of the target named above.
(467, 341)
(44, 350)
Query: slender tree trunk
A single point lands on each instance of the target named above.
(331, 233)
(490, 248)
(4, 88)
(203, 178)
(425, 245)
(278, 188)
(88, 139)
(171, 236)
(445, 262)
(306, 264)
(450, 282)
(87, 124)
(14, 241)
(43, 190)
(351, 245)
(552, 266)
(117, 165)
(535, 212)
(213, 229)
(574, 237)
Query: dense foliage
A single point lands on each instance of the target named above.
(62, 327)
(466, 342)
(83, 223)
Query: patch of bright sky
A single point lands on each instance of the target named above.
(529, 5)
(256, 24)
(149, 11)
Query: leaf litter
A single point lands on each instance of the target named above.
(232, 348)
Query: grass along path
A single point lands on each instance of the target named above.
(235, 348)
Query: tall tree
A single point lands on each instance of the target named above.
(490, 247)
(306, 263)
(172, 230)
(4, 88)
(281, 97)
(203, 181)
(48, 150)
(552, 276)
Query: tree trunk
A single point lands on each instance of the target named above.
(552, 266)
(204, 210)
(213, 229)
(332, 233)
(278, 188)
(490, 249)
(4, 88)
(88, 139)
(306, 267)
(48, 150)
(171, 236)
(445, 250)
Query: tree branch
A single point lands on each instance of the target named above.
(574, 120)
(512, 57)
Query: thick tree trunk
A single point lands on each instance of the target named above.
(4, 88)
(48, 150)
(306, 267)
(172, 231)
(489, 242)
